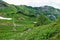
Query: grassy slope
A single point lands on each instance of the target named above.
(29, 32)
(26, 29)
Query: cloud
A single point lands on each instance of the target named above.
(54, 3)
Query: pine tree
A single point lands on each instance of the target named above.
(42, 20)
(58, 19)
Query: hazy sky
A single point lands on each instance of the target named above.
(35, 3)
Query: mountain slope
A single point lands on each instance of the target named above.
(24, 21)
(6, 9)
(49, 11)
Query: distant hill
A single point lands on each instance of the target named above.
(3, 4)
(49, 11)
(6, 9)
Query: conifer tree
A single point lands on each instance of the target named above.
(42, 20)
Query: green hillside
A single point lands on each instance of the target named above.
(29, 23)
